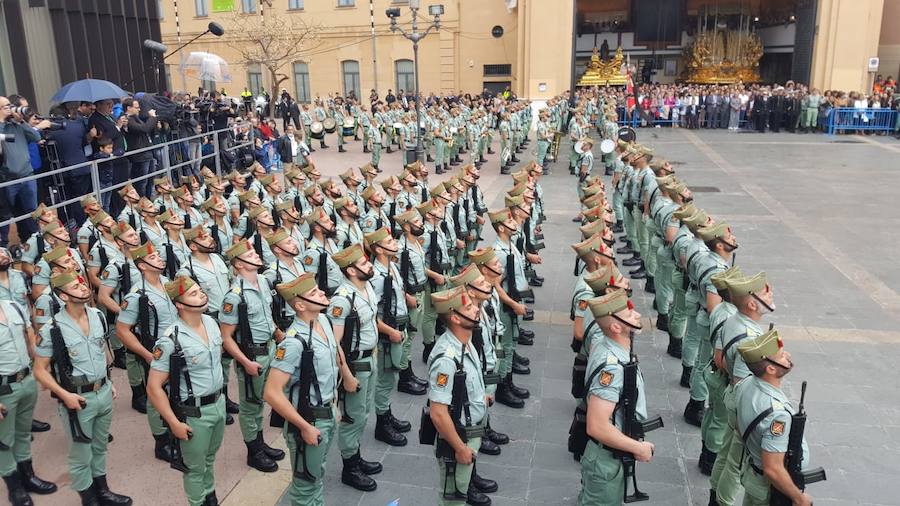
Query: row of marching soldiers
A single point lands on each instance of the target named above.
(272, 277)
(752, 436)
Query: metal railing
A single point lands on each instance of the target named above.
(844, 119)
(217, 136)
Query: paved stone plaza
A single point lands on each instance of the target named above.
(814, 211)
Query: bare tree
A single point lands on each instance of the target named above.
(272, 42)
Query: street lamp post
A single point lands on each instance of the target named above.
(415, 36)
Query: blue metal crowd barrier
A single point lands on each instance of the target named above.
(844, 119)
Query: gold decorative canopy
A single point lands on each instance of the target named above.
(723, 56)
(604, 72)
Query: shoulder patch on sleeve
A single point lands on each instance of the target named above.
(157, 353)
(582, 304)
(37, 269)
(39, 312)
(125, 304)
(227, 307)
(337, 311)
(279, 353)
(105, 274)
(308, 260)
(606, 378)
(442, 379)
(777, 428)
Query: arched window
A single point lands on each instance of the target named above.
(406, 75)
(301, 81)
(350, 71)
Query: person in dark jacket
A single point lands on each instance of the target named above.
(71, 141)
(137, 136)
(105, 125)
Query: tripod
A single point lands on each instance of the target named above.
(56, 188)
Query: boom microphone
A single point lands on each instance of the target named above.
(154, 46)
(216, 29)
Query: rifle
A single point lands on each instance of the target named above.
(61, 364)
(177, 368)
(434, 254)
(351, 351)
(308, 378)
(214, 232)
(405, 268)
(388, 315)
(631, 426)
(459, 407)
(146, 337)
(171, 260)
(187, 220)
(278, 303)
(793, 459)
(510, 273)
(245, 342)
(322, 272)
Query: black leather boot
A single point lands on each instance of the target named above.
(713, 498)
(438, 169)
(211, 499)
(639, 273)
(398, 424)
(353, 476)
(386, 433)
(426, 350)
(341, 148)
(106, 497)
(273, 453)
(650, 287)
(693, 412)
(428, 158)
(707, 460)
(529, 315)
(415, 378)
(230, 406)
(139, 399)
(408, 385)
(481, 483)
(631, 262)
(525, 340)
(162, 450)
(674, 348)
(520, 359)
(366, 466)
(490, 151)
(488, 447)
(119, 358)
(17, 494)
(31, 482)
(618, 228)
(662, 322)
(322, 145)
(476, 498)
(257, 458)
(88, 497)
(39, 426)
(513, 159)
(527, 333)
(519, 392)
(497, 437)
(685, 376)
(518, 368)
(505, 396)
(625, 250)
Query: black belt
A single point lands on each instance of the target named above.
(414, 289)
(206, 400)
(90, 387)
(365, 354)
(323, 412)
(15, 377)
(254, 351)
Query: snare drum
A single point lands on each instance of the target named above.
(317, 130)
(349, 127)
(330, 125)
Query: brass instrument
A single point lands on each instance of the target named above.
(553, 152)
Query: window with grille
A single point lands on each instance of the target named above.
(295, 4)
(406, 75)
(499, 69)
(301, 81)
(350, 70)
(202, 7)
(248, 6)
(255, 78)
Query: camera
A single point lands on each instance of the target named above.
(393, 12)
(7, 138)
(24, 111)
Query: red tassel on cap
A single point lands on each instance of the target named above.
(80, 279)
(612, 281)
(181, 287)
(630, 304)
(780, 343)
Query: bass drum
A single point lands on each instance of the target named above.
(607, 146)
(348, 127)
(627, 134)
(330, 125)
(317, 130)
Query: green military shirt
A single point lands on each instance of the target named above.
(86, 352)
(259, 307)
(203, 359)
(13, 341)
(416, 253)
(286, 273)
(503, 250)
(489, 327)
(348, 234)
(214, 279)
(43, 308)
(366, 304)
(30, 253)
(42, 271)
(753, 396)
(113, 253)
(166, 314)
(582, 292)
(443, 255)
(737, 329)
(311, 262)
(85, 232)
(15, 289)
(448, 350)
(398, 307)
(608, 357)
(288, 354)
(717, 320)
(112, 276)
(223, 231)
(374, 220)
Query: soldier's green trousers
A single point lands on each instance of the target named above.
(199, 452)
(15, 428)
(88, 460)
(618, 207)
(726, 473)
(630, 232)
(303, 492)
(665, 264)
(809, 117)
(439, 152)
(461, 478)
(704, 355)
(542, 147)
(642, 236)
(756, 487)
(715, 418)
(134, 370)
(653, 244)
(389, 364)
(601, 477)
(678, 313)
(251, 414)
(357, 406)
(691, 343)
(573, 158)
(365, 131)
(340, 135)
(376, 153)
(416, 315)
(429, 315)
(508, 341)
(505, 149)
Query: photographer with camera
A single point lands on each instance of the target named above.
(15, 163)
(71, 138)
(137, 135)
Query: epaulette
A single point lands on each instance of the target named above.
(777, 405)
(611, 359)
(236, 290)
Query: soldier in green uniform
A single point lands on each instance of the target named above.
(766, 437)
(348, 231)
(156, 316)
(672, 196)
(602, 474)
(246, 309)
(576, 132)
(415, 280)
(461, 411)
(809, 111)
(35, 246)
(352, 313)
(753, 298)
(318, 257)
(55, 236)
(392, 322)
(309, 415)
(13, 285)
(437, 264)
(195, 338)
(85, 405)
(18, 395)
(545, 137)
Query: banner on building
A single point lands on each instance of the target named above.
(222, 5)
